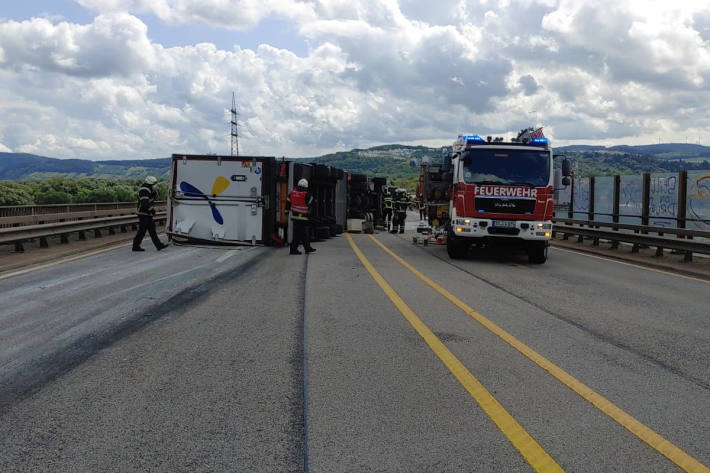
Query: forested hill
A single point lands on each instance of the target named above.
(18, 166)
(668, 157)
(395, 161)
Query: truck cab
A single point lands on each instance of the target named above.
(502, 192)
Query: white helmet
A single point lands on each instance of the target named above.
(150, 180)
(303, 183)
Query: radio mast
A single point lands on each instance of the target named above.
(235, 127)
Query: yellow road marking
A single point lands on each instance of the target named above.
(632, 265)
(533, 453)
(63, 260)
(673, 453)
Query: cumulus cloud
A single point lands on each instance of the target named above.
(112, 44)
(529, 84)
(378, 71)
(645, 41)
(236, 14)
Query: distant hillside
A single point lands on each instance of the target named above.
(18, 166)
(667, 150)
(394, 161)
(663, 151)
(579, 148)
(609, 163)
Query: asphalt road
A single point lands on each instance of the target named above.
(199, 359)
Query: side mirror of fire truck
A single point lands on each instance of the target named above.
(566, 167)
(566, 171)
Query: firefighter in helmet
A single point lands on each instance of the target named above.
(401, 204)
(297, 204)
(145, 211)
(387, 208)
(421, 205)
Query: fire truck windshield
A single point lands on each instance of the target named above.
(507, 166)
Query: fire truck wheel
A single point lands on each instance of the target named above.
(455, 247)
(537, 252)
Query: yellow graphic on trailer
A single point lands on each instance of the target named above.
(220, 185)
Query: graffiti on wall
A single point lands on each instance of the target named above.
(663, 200)
(581, 197)
(699, 200)
(630, 199)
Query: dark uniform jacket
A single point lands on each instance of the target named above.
(401, 204)
(146, 200)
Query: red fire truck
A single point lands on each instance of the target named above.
(502, 192)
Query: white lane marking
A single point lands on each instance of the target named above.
(612, 260)
(227, 255)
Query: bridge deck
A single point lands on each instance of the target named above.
(198, 359)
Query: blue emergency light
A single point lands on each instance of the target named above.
(539, 142)
(473, 139)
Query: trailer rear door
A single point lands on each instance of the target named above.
(218, 198)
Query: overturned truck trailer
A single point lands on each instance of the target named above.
(235, 200)
(366, 198)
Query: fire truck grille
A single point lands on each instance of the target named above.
(503, 231)
(505, 206)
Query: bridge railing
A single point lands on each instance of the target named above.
(21, 234)
(21, 215)
(679, 239)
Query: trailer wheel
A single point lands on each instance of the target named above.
(323, 233)
(537, 252)
(456, 247)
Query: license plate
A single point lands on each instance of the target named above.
(504, 223)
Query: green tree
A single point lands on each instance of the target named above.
(15, 193)
(53, 197)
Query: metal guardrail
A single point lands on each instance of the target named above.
(637, 235)
(41, 214)
(18, 235)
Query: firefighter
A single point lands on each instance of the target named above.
(298, 203)
(422, 206)
(145, 211)
(400, 210)
(388, 203)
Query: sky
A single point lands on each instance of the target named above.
(119, 79)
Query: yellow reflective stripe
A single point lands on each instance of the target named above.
(533, 453)
(660, 444)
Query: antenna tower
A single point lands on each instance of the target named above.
(235, 127)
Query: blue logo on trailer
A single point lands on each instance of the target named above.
(219, 186)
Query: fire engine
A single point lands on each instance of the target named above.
(502, 192)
